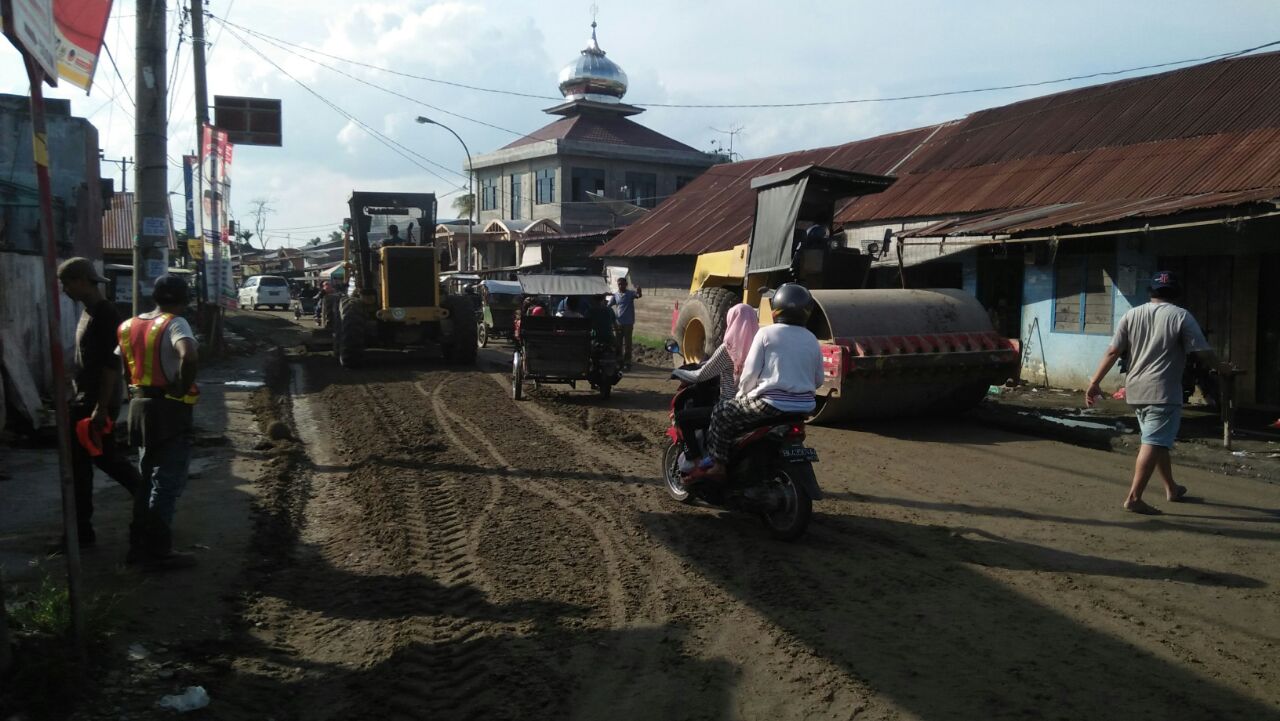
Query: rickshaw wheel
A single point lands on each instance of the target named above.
(517, 377)
(482, 335)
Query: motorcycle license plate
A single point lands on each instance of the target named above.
(799, 454)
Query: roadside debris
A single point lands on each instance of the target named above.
(195, 697)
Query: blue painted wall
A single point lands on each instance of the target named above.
(1067, 360)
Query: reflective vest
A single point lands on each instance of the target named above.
(140, 342)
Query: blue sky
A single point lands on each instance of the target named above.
(674, 51)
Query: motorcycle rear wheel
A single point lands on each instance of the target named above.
(671, 475)
(789, 521)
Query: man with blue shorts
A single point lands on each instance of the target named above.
(1157, 337)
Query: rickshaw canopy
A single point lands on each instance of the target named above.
(548, 284)
(502, 287)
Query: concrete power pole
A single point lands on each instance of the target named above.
(151, 140)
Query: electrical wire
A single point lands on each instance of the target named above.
(390, 143)
(116, 68)
(389, 91)
(805, 104)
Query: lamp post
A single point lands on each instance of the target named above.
(470, 186)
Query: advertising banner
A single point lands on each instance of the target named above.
(80, 26)
(215, 184)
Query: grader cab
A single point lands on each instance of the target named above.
(394, 298)
(885, 352)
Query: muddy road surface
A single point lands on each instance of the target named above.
(436, 550)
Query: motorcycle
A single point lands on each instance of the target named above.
(770, 470)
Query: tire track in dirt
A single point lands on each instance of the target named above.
(445, 416)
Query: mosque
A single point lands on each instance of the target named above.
(591, 170)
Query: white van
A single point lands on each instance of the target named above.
(269, 290)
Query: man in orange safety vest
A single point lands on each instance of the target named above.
(161, 358)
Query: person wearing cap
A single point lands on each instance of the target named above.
(160, 358)
(1156, 337)
(95, 391)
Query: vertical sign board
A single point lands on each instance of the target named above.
(32, 26)
(248, 121)
(215, 163)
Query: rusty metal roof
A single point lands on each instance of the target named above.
(714, 212)
(118, 228)
(1142, 145)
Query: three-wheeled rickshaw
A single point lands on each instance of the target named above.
(563, 333)
(499, 303)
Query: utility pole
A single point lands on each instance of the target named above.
(124, 169)
(212, 323)
(151, 139)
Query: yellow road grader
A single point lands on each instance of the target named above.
(394, 298)
(886, 352)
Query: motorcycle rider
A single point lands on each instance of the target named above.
(780, 376)
(741, 325)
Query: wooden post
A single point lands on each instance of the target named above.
(70, 528)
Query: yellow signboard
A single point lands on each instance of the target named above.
(195, 247)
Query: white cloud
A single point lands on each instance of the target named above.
(752, 51)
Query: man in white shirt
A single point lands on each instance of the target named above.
(780, 376)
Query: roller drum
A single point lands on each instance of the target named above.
(928, 373)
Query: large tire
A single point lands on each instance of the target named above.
(790, 521)
(349, 335)
(708, 309)
(459, 345)
(606, 389)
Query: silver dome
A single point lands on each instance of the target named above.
(592, 76)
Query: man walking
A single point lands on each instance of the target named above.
(160, 355)
(624, 308)
(95, 391)
(1156, 338)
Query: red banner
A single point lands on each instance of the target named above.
(80, 26)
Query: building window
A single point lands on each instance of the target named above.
(586, 180)
(642, 189)
(546, 186)
(489, 194)
(516, 196)
(1084, 289)
(683, 180)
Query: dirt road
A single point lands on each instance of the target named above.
(434, 549)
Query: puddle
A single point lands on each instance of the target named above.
(244, 384)
(1073, 423)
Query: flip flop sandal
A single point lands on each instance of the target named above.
(1141, 507)
(1179, 494)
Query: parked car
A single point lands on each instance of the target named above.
(269, 290)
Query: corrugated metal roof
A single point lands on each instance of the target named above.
(1070, 215)
(714, 211)
(118, 228)
(1208, 129)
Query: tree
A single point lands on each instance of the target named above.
(335, 236)
(465, 204)
(314, 241)
(260, 209)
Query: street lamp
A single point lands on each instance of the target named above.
(470, 186)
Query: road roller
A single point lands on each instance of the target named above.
(886, 352)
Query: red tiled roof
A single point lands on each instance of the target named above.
(610, 129)
(118, 228)
(1206, 132)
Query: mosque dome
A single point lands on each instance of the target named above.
(592, 76)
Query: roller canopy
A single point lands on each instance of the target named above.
(806, 193)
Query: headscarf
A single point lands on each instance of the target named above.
(740, 329)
